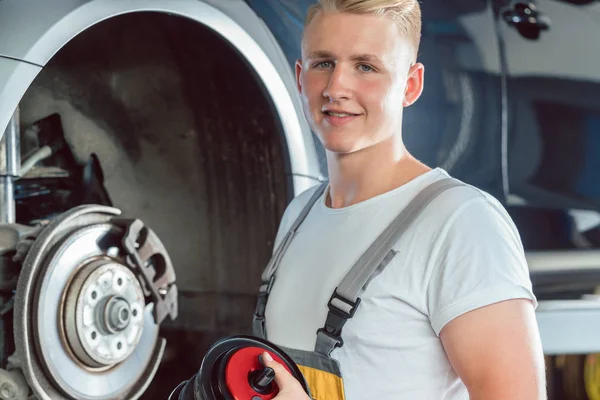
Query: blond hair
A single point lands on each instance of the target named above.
(405, 13)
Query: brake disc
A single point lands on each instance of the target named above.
(85, 320)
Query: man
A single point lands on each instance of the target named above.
(452, 314)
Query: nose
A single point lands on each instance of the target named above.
(338, 87)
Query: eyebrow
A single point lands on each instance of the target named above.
(354, 57)
(365, 57)
(320, 54)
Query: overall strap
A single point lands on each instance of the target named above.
(344, 301)
(268, 275)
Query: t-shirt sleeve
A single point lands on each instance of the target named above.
(478, 260)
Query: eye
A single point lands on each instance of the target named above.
(365, 68)
(323, 64)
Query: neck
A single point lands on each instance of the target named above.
(372, 171)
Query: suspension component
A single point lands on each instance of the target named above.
(10, 165)
(13, 385)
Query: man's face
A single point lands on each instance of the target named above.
(353, 78)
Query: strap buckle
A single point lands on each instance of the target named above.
(261, 303)
(338, 311)
(336, 318)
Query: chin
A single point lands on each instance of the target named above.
(341, 146)
(342, 141)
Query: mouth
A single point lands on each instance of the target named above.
(339, 114)
(339, 118)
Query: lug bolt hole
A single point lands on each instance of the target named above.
(94, 295)
(119, 281)
(94, 335)
(119, 345)
(134, 312)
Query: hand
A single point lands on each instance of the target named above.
(289, 387)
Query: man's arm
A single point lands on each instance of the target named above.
(497, 352)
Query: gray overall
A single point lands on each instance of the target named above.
(322, 372)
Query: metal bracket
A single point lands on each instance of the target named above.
(13, 385)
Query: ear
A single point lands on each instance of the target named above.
(299, 75)
(414, 84)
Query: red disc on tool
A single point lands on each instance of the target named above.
(239, 366)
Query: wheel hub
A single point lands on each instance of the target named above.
(103, 312)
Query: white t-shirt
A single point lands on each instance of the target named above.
(461, 253)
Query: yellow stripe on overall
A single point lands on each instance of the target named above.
(322, 374)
